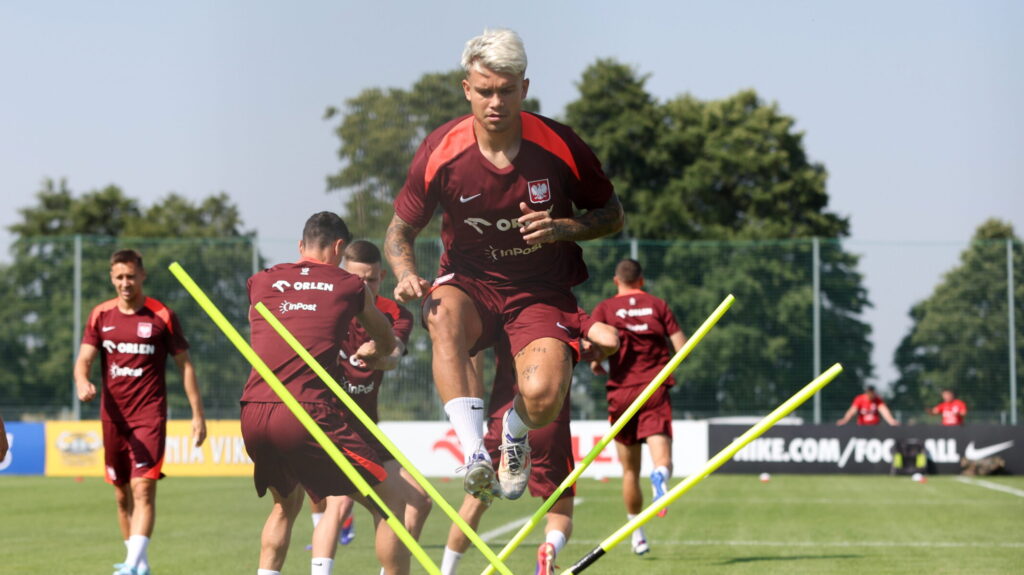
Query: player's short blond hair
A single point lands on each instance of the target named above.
(497, 49)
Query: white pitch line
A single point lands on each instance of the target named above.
(991, 485)
(515, 524)
(928, 544)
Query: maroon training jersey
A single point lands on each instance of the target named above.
(554, 170)
(644, 322)
(316, 302)
(364, 384)
(133, 356)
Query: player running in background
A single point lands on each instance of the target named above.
(132, 335)
(507, 182)
(364, 373)
(951, 409)
(552, 452)
(868, 406)
(646, 326)
(317, 301)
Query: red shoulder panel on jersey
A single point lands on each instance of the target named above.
(100, 308)
(161, 311)
(452, 144)
(388, 307)
(536, 131)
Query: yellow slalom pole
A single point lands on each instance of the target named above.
(617, 427)
(714, 463)
(307, 421)
(375, 430)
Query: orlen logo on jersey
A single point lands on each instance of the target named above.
(638, 312)
(287, 306)
(129, 347)
(502, 225)
(116, 371)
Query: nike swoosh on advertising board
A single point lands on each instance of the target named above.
(975, 453)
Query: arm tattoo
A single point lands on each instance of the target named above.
(596, 223)
(398, 243)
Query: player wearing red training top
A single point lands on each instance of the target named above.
(364, 373)
(551, 448)
(951, 409)
(868, 406)
(646, 326)
(132, 335)
(507, 182)
(317, 302)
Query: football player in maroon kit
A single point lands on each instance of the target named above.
(507, 182)
(364, 373)
(868, 406)
(646, 325)
(551, 452)
(317, 301)
(132, 335)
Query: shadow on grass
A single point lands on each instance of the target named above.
(738, 560)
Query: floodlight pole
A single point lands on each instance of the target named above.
(1011, 315)
(76, 330)
(816, 321)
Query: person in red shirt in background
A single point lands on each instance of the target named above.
(951, 409)
(646, 328)
(868, 406)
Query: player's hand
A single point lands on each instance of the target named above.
(597, 368)
(198, 431)
(537, 227)
(411, 287)
(366, 356)
(86, 391)
(588, 351)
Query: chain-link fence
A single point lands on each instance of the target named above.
(801, 305)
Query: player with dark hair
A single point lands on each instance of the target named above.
(646, 326)
(132, 335)
(317, 301)
(509, 183)
(950, 408)
(868, 406)
(364, 374)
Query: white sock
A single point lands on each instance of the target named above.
(664, 472)
(316, 518)
(556, 538)
(267, 572)
(638, 533)
(467, 417)
(321, 566)
(450, 561)
(513, 425)
(136, 548)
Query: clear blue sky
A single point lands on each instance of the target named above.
(913, 107)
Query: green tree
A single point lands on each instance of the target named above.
(37, 287)
(959, 335)
(700, 173)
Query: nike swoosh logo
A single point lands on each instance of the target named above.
(464, 199)
(107, 328)
(475, 407)
(140, 465)
(559, 324)
(975, 454)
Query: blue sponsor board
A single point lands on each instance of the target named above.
(27, 455)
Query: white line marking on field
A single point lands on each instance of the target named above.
(991, 485)
(515, 524)
(929, 544)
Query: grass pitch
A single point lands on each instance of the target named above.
(728, 524)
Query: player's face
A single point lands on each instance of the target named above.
(495, 98)
(127, 280)
(371, 274)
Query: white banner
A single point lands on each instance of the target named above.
(434, 449)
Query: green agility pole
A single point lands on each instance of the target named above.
(307, 421)
(714, 463)
(315, 365)
(634, 407)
